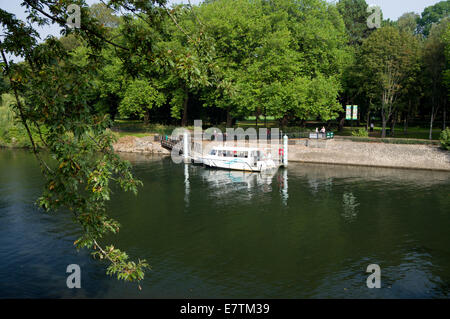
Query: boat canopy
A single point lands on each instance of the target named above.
(238, 149)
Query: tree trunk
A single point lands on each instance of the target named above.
(405, 121)
(229, 119)
(430, 136)
(444, 115)
(393, 121)
(368, 120)
(405, 124)
(265, 117)
(185, 109)
(341, 124)
(284, 121)
(383, 124)
(147, 117)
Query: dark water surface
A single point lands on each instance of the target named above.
(306, 232)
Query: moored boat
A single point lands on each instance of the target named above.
(239, 158)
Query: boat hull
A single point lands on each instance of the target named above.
(238, 164)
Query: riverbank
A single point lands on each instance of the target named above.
(347, 152)
(143, 145)
(335, 151)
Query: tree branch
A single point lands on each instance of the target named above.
(61, 22)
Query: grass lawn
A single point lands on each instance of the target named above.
(138, 129)
(413, 132)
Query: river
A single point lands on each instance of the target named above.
(308, 231)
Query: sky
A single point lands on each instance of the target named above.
(391, 9)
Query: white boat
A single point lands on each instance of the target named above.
(239, 158)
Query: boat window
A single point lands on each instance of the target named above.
(213, 152)
(243, 154)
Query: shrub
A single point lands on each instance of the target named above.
(361, 132)
(393, 140)
(12, 132)
(445, 139)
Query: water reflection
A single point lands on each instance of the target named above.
(186, 184)
(223, 182)
(350, 206)
(224, 234)
(319, 175)
(283, 185)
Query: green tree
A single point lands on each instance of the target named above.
(408, 22)
(387, 57)
(139, 98)
(104, 15)
(354, 13)
(434, 61)
(432, 15)
(446, 72)
(279, 58)
(53, 90)
(412, 89)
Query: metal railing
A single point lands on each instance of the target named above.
(311, 135)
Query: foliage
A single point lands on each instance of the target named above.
(445, 139)
(12, 132)
(280, 68)
(408, 22)
(354, 13)
(433, 15)
(446, 72)
(387, 58)
(434, 61)
(139, 97)
(54, 89)
(361, 132)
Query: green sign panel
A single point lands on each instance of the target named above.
(348, 113)
(355, 112)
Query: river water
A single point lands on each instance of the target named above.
(309, 231)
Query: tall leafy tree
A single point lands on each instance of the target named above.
(408, 22)
(139, 98)
(278, 58)
(355, 15)
(434, 66)
(355, 90)
(412, 91)
(433, 15)
(446, 39)
(387, 58)
(53, 91)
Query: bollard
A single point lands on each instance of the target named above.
(285, 151)
(185, 147)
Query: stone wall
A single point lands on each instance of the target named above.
(335, 151)
(144, 145)
(369, 154)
